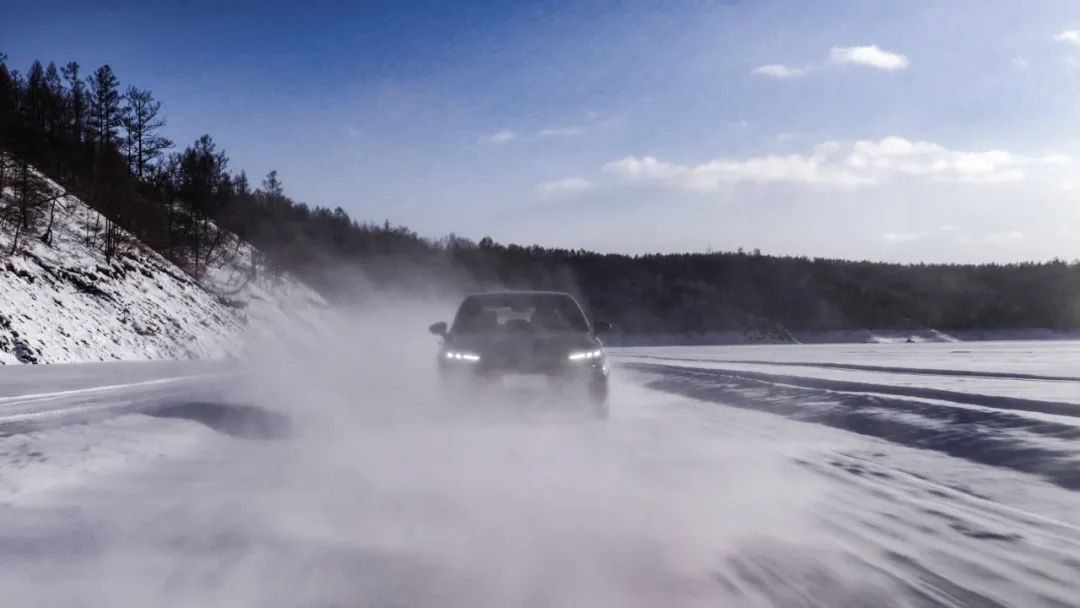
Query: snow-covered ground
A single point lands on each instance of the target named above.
(336, 478)
(64, 302)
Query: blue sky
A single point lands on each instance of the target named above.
(922, 130)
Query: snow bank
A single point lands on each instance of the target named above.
(769, 335)
(851, 336)
(987, 335)
(876, 336)
(63, 302)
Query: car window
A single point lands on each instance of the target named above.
(519, 313)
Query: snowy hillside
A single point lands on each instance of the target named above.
(64, 303)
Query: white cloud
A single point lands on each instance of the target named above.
(1069, 36)
(562, 187)
(870, 56)
(646, 167)
(561, 132)
(901, 237)
(593, 121)
(776, 70)
(1003, 238)
(1020, 63)
(839, 165)
(998, 238)
(499, 137)
(897, 155)
(709, 176)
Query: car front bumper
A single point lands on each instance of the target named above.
(555, 372)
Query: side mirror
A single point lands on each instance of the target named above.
(439, 329)
(601, 327)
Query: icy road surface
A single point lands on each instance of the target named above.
(868, 475)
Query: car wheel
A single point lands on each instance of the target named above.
(598, 399)
(456, 389)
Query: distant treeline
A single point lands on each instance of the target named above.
(104, 144)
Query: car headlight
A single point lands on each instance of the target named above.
(585, 355)
(456, 355)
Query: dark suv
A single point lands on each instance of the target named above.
(538, 336)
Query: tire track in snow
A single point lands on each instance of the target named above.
(947, 545)
(918, 371)
(23, 413)
(1057, 408)
(984, 435)
(899, 527)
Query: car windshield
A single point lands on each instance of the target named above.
(526, 312)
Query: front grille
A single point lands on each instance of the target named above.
(522, 361)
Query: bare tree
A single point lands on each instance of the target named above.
(3, 171)
(23, 212)
(53, 201)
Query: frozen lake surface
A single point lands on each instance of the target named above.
(840, 475)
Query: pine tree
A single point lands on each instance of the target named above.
(54, 102)
(272, 185)
(241, 186)
(105, 115)
(36, 98)
(7, 100)
(76, 100)
(206, 188)
(142, 121)
(108, 192)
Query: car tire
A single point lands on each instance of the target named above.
(456, 390)
(598, 399)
